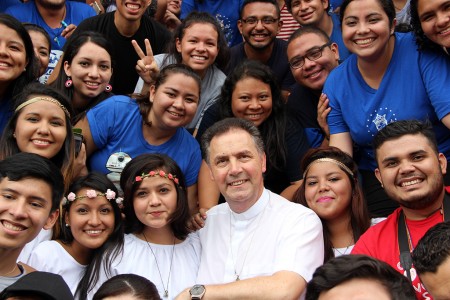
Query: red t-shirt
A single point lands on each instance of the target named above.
(381, 242)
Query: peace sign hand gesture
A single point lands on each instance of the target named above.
(146, 66)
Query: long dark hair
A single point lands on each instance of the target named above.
(359, 215)
(144, 164)
(32, 67)
(423, 42)
(71, 49)
(113, 245)
(8, 144)
(143, 100)
(274, 127)
(203, 18)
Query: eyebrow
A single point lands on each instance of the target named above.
(391, 158)
(178, 92)
(33, 197)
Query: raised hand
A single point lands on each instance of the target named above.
(322, 113)
(146, 66)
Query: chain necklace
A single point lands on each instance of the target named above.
(249, 245)
(166, 288)
(351, 243)
(10, 272)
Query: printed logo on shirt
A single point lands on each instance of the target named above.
(116, 162)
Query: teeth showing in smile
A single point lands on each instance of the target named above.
(40, 142)
(445, 31)
(93, 231)
(364, 42)
(235, 183)
(408, 183)
(133, 6)
(199, 57)
(174, 114)
(91, 83)
(12, 227)
(255, 116)
(4, 65)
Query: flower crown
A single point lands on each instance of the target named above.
(91, 194)
(159, 173)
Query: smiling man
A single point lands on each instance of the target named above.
(259, 25)
(257, 245)
(31, 188)
(312, 56)
(315, 13)
(122, 26)
(411, 170)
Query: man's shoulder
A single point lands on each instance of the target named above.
(22, 9)
(384, 229)
(101, 23)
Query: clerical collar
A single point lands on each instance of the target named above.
(256, 208)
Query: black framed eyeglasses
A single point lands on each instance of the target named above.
(313, 54)
(264, 21)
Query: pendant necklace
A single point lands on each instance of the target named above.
(249, 245)
(166, 288)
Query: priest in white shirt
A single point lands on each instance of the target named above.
(257, 245)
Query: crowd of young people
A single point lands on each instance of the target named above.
(138, 198)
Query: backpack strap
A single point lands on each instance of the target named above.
(405, 253)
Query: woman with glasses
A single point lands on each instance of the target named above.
(386, 80)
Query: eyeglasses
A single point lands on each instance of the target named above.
(313, 54)
(264, 21)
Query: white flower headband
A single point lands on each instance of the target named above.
(91, 194)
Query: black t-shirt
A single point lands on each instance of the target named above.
(278, 62)
(125, 77)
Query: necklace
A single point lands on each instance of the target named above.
(249, 245)
(408, 232)
(166, 288)
(10, 272)
(345, 252)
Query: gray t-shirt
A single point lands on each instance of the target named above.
(7, 281)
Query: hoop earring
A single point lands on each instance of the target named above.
(68, 82)
(108, 88)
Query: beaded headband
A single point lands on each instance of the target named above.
(36, 99)
(91, 194)
(159, 173)
(331, 160)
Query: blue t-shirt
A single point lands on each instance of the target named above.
(416, 85)
(5, 113)
(336, 36)
(225, 11)
(116, 128)
(75, 13)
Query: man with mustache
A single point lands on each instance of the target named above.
(410, 169)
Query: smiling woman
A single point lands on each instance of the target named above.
(18, 65)
(157, 244)
(386, 80)
(88, 67)
(90, 234)
(251, 92)
(41, 124)
(120, 128)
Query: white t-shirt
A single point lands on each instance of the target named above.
(138, 259)
(348, 250)
(44, 235)
(273, 235)
(50, 256)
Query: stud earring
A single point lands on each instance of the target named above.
(14, 135)
(68, 82)
(108, 88)
(67, 225)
